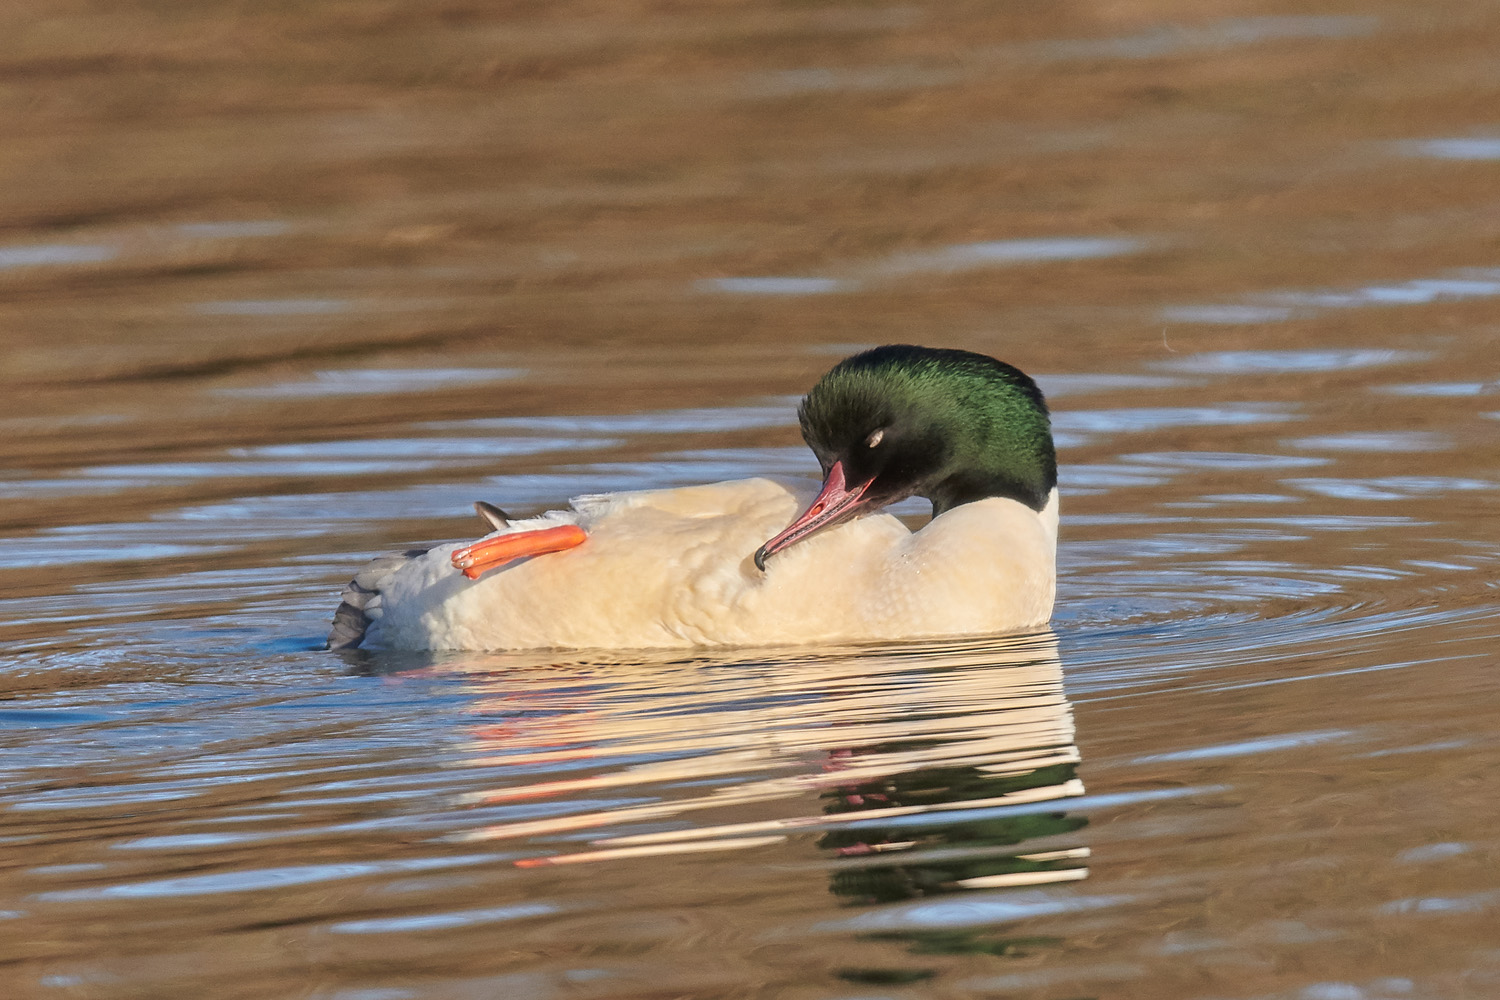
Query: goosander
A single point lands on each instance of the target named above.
(691, 566)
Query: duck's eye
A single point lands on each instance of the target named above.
(875, 438)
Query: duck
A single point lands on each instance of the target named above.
(768, 561)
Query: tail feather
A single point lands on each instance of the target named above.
(360, 603)
(491, 515)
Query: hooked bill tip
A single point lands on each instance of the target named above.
(760, 558)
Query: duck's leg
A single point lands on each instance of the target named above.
(487, 553)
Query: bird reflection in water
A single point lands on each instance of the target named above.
(934, 767)
(955, 825)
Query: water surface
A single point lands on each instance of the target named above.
(273, 307)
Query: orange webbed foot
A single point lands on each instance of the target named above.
(488, 553)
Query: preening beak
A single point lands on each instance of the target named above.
(835, 503)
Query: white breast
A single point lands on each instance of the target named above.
(671, 568)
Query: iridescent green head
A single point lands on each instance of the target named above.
(902, 421)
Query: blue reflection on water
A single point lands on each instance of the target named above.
(444, 921)
(939, 260)
(1466, 148)
(1390, 487)
(1377, 441)
(973, 909)
(264, 878)
(970, 256)
(1245, 748)
(1155, 418)
(776, 285)
(25, 552)
(53, 255)
(1266, 307)
(1287, 362)
(1442, 388)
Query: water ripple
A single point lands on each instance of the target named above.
(254, 880)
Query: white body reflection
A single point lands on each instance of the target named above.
(910, 760)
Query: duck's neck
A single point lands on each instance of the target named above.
(1046, 514)
(966, 487)
(986, 457)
